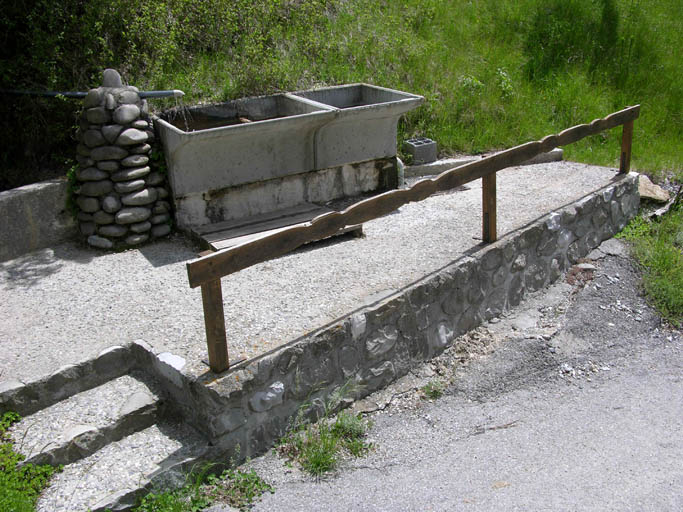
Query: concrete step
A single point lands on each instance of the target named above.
(114, 477)
(80, 425)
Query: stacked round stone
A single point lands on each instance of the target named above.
(122, 202)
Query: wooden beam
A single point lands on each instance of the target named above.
(214, 321)
(488, 196)
(236, 258)
(626, 138)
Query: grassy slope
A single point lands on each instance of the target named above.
(468, 59)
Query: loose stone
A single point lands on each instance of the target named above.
(109, 101)
(128, 97)
(108, 153)
(97, 115)
(88, 204)
(113, 230)
(98, 241)
(85, 161)
(91, 174)
(161, 218)
(145, 107)
(130, 174)
(133, 215)
(161, 207)
(111, 78)
(140, 150)
(93, 138)
(141, 227)
(96, 188)
(141, 124)
(126, 187)
(161, 230)
(101, 217)
(87, 228)
(135, 161)
(131, 137)
(93, 98)
(111, 204)
(111, 131)
(126, 114)
(145, 196)
(137, 239)
(154, 178)
(108, 165)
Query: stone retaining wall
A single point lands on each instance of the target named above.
(120, 197)
(253, 404)
(33, 217)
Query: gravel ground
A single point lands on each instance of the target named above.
(67, 303)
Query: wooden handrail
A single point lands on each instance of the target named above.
(207, 270)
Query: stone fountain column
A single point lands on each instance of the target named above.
(121, 196)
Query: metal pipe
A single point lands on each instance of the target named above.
(175, 93)
(52, 94)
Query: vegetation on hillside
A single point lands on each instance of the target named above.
(658, 247)
(494, 73)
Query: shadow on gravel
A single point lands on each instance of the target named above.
(27, 270)
(172, 250)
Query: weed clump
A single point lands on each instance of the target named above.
(236, 487)
(318, 447)
(433, 389)
(658, 247)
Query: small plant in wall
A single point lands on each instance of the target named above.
(71, 189)
(158, 160)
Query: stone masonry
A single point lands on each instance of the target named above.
(245, 410)
(253, 404)
(120, 198)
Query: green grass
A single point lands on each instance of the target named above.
(433, 389)
(472, 62)
(494, 74)
(20, 486)
(236, 487)
(658, 247)
(318, 447)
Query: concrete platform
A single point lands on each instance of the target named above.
(317, 329)
(67, 303)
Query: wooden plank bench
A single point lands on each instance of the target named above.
(223, 235)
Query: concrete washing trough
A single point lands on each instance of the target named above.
(365, 127)
(224, 159)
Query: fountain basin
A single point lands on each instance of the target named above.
(254, 155)
(365, 127)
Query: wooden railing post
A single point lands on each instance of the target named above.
(207, 271)
(626, 137)
(488, 196)
(214, 321)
